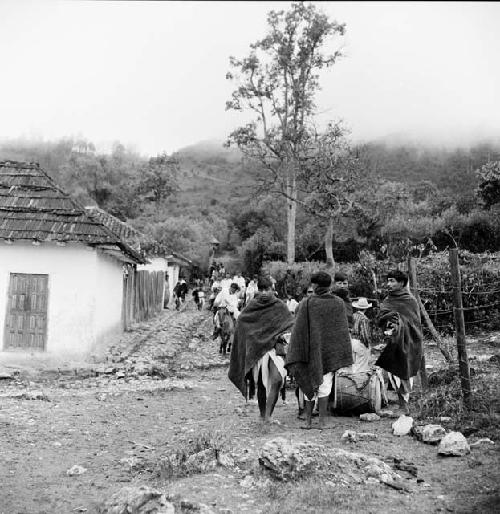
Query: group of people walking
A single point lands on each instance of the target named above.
(322, 337)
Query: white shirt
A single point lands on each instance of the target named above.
(251, 290)
(225, 283)
(292, 305)
(229, 301)
(360, 356)
(240, 281)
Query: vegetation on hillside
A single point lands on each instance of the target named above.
(207, 191)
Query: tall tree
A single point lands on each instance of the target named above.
(278, 82)
(334, 185)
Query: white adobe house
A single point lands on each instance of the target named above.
(158, 257)
(61, 271)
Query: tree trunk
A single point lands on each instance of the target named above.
(291, 211)
(330, 262)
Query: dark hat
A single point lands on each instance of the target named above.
(340, 277)
(264, 282)
(321, 278)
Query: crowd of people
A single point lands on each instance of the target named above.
(323, 335)
(313, 335)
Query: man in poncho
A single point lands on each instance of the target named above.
(254, 356)
(320, 345)
(341, 289)
(400, 317)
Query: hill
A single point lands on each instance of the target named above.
(211, 177)
(210, 150)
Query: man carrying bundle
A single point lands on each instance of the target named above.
(254, 356)
(320, 345)
(400, 317)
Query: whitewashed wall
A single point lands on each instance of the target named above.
(109, 299)
(84, 293)
(155, 264)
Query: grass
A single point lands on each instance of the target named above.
(177, 463)
(321, 496)
(309, 495)
(444, 398)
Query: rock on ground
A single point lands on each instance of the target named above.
(454, 444)
(402, 425)
(137, 500)
(369, 416)
(432, 434)
(284, 460)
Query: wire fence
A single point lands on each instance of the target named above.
(480, 289)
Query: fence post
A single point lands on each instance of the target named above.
(412, 272)
(463, 361)
(427, 318)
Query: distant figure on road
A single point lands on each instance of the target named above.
(226, 282)
(400, 317)
(227, 312)
(199, 297)
(251, 290)
(177, 296)
(183, 289)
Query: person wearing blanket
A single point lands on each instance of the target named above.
(320, 344)
(400, 316)
(254, 358)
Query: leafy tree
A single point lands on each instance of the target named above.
(254, 250)
(183, 235)
(91, 177)
(159, 179)
(489, 186)
(334, 184)
(278, 82)
(424, 190)
(264, 211)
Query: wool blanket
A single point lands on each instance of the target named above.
(344, 294)
(259, 324)
(320, 340)
(403, 354)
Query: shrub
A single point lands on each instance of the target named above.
(480, 284)
(445, 399)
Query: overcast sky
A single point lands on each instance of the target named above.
(152, 74)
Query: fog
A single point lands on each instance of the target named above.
(152, 74)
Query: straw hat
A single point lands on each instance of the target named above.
(361, 303)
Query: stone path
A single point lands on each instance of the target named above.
(154, 355)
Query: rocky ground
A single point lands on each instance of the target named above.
(157, 427)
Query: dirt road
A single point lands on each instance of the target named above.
(166, 387)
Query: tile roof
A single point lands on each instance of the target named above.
(142, 243)
(33, 207)
(124, 231)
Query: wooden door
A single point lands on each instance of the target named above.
(26, 319)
